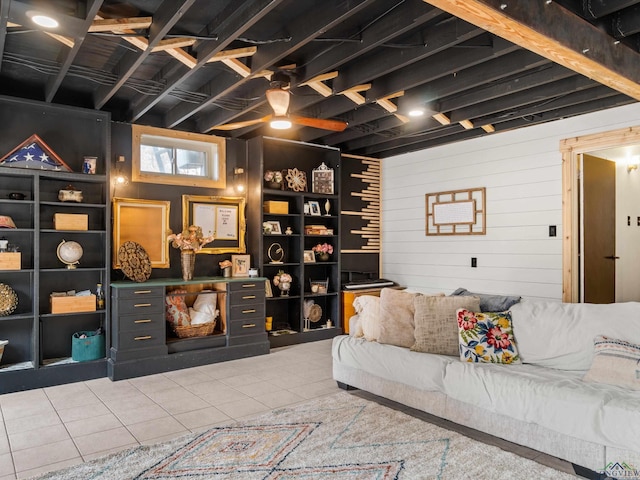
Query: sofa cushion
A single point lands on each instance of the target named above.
(490, 303)
(396, 317)
(615, 362)
(560, 335)
(436, 328)
(368, 309)
(486, 337)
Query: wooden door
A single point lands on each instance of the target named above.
(599, 226)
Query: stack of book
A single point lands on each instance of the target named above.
(317, 230)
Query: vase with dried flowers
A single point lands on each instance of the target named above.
(189, 241)
(323, 251)
(283, 280)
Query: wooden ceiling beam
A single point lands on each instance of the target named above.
(173, 43)
(553, 32)
(117, 25)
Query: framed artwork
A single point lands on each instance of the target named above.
(268, 292)
(456, 212)
(272, 227)
(222, 217)
(314, 208)
(145, 222)
(309, 256)
(240, 265)
(34, 153)
(322, 180)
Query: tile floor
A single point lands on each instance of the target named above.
(51, 428)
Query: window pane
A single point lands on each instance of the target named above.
(190, 162)
(155, 159)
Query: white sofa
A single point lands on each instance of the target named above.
(542, 403)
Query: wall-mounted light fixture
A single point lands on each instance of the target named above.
(238, 179)
(632, 166)
(632, 162)
(120, 179)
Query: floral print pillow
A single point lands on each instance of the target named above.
(486, 337)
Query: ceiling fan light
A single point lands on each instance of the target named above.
(280, 123)
(279, 101)
(416, 112)
(44, 21)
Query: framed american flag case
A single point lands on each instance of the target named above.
(322, 180)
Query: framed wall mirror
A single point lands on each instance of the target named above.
(222, 217)
(145, 222)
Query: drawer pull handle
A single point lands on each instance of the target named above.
(248, 297)
(253, 310)
(146, 320)
(146, 337)
(249, 325)
(142, 305)
(248, 285)
(141, 292)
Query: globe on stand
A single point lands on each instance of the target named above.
(69, 253)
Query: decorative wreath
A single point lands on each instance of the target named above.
(296, 180)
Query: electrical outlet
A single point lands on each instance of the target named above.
(552, 230)
(474, 262)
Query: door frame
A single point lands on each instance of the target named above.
(571, 148)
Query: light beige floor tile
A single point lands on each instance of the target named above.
(153, 383)
(175, 407)
(88, 411)
(238, 380)
(219, 371)
(93, 456)
(38, 437)
(37, 457)
(27, 408)
(95, 424)
(142, 414)
(105, 389)
(189, 377)
(4, 443)
(317, 389)
(156, 428)
(289, 382)
(166, 438)
(24, 424)
(207, 387)
(103, 441)
(140, 400)
(6, 464)
(67, 390)
(8, 477)
(280, 399)
(224, 395)
(19, 398)
(201, 418)
(242, 408)
(257, 390)
(49, 468)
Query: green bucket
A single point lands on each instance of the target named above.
(91, 347)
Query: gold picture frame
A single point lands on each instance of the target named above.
(145, 222)
(222, 217)
(241, 265)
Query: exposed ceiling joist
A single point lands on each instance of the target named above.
(554, 33)
(119, 24)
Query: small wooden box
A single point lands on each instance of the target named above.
(71, 221)
(10, 260)
(272, 206)
(73, 304)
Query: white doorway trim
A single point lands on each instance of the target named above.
(571, 149)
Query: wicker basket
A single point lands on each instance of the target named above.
(190, 331)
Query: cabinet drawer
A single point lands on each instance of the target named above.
(133, 340)
(247, 297)
(141, 323)
(141, 306)
(138, 293)
(250, 326)
(249, 284)
(240, 312)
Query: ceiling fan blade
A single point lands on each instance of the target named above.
(238, 125)
(334, 125)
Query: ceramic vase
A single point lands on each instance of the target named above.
(322, 257)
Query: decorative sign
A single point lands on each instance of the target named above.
(456, 212)
(322, 180)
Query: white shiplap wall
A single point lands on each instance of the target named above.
(522, 172)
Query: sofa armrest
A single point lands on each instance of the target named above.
(355, 329)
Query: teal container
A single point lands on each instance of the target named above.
(89, 348)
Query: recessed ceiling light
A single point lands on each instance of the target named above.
(416, 112)
(45, 21)
(280, 123)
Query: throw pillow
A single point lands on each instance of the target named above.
(486, 337)
(368, 309)
(396, 317)
(490, 303)
(436, 330)
(177, 313)
(615, 362)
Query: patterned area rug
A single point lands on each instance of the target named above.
(335, 437)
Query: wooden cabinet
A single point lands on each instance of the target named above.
(143, 343)
(283, 247)
(40, 342)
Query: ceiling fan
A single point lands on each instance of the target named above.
(278, 97)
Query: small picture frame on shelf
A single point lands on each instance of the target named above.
(309, 256)
(267, 289)
(240, 265)
(272, 228)
(307, 210)
(314, 208)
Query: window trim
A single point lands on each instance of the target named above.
(137, 131)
